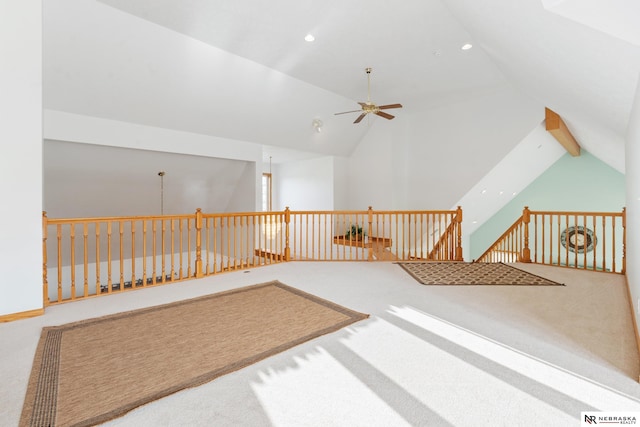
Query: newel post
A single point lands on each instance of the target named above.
(45, 284)
(459, 256)
(199, 272)
(624, 240)
(526, 252)
(369, 231)
(287, 219)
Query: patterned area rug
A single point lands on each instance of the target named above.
(89, 372)
(471, 273)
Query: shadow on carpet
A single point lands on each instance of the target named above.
(472, 273)
(89, 372)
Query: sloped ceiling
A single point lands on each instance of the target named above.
(586, 75)
(242, 70)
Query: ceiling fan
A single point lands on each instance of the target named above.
(369, 107)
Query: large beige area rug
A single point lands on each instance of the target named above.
(88, 372)
(472, 273)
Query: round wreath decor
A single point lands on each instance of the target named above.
(578, 239)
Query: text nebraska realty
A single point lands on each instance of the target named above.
(609, 419)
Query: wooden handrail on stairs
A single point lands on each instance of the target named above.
(449, 245)
(583, 240)
(506, 247)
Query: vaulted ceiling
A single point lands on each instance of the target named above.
(242, 69)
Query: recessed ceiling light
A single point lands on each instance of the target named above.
(466, 46)
(309, 37)
(483, 191)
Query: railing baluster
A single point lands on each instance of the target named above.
(604, 245)
(172, 260)
(181, 233)
(133, 254)
(154, 246)
(59, 236)
(72, 266)
(85, 250)
(144, 253)
(109, 268)
(121, 242)
(215, 244)
(613, 244)
(98, 259)
(584, 253)
(163, 249)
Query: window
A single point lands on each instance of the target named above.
(266, 192)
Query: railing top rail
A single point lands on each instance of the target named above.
(53, 221)
(442, 212)
(243, 214)
(578, 213)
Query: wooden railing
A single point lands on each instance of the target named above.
(375, 235)
(86, 257)
(582, 240)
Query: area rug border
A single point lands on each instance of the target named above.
(46, 359)
(420, 280)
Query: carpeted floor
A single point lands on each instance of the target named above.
(469, 273)
(91, 371)
(533, 356)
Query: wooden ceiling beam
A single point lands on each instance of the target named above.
(556, 126)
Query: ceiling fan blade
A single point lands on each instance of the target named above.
(386, 107)
(346, 112)
(385, 115)
(360, 117)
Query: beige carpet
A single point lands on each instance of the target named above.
(469, 273)
(91, 371)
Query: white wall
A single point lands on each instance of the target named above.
(304, 185)
(20, 156)
(216, 177)
(371, 168)
(340, 183)
(89, 180)
(453, 147)
(632, 176)
(430, 159)
(244, 193)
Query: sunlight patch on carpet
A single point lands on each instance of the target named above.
(587, 391)
(313, 381)
(433, 377)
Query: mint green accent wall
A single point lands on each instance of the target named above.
(581, 183)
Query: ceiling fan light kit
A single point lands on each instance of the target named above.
(369, 107)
